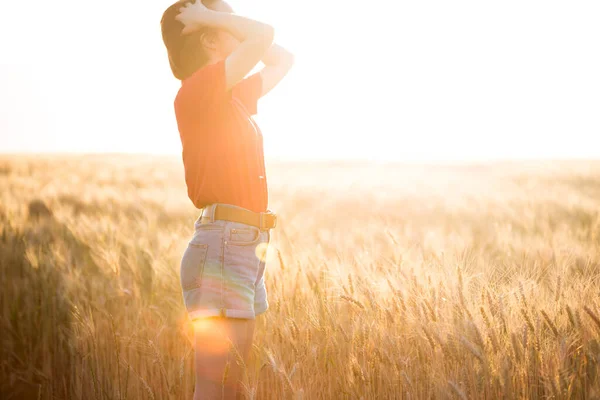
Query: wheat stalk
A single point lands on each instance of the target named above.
(593, 316)
(550, 324)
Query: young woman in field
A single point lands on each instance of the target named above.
(211, 50)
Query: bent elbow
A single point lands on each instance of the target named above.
(268, 34)
(287, 60)
(290, 60)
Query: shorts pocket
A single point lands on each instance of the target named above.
(192, 266)
(244, 236)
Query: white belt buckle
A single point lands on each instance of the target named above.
(207, 213)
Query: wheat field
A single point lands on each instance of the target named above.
(385, 281)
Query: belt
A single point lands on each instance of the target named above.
(263, 220)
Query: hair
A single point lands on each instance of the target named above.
(186, 54)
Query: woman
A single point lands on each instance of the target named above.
(211, 51)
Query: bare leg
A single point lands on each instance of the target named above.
(245, 353)
(214, 339)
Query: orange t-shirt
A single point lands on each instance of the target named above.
(222, 145)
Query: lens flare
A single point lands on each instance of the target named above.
(261, 251)
(211, 335)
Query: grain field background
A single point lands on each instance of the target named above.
(385, 281)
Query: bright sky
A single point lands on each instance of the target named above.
(410, 80)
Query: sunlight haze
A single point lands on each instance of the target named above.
(427, 80)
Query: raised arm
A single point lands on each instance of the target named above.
(278, 61)
(255, 37)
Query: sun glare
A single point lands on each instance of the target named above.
(431, 80)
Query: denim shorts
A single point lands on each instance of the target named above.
(223, 270)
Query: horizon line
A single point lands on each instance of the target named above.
(304, 159)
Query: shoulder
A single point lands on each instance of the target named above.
(204, 90)
(208, 76)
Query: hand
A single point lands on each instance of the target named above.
(192, 15)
